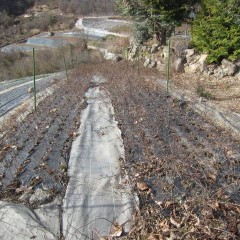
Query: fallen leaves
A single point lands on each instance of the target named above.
(116, 231)
(142, 186)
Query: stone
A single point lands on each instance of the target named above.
(154, 48)
(152, 64)
(147, 62)
(189, 54)
(210, 69)
(197, 64)
(144, 48)
(191, 68)
(165, 52)
(30, 90)
(228, 67)
(142, 186)
(40, 197)
(237, 75)
(25, 197)
(117, 59)
(219, 72)
(238, 64)
(179, 64)
(134, 50)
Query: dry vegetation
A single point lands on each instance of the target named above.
(112, 43)
(45, 15)
(18, 64)
(190, 168)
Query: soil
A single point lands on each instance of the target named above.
(224, 93)
(190, 167)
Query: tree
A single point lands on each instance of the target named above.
(160, 16)
(216, 30)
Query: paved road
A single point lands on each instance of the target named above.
(15, 92)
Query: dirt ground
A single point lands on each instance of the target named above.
(224, 93)
(184, 169)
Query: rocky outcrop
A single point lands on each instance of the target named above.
(197, 63)
(189, 61)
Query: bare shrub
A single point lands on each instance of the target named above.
(18, 65)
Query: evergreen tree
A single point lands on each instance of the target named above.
(159, 16)
(216, 30)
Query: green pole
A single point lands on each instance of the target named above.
(65, 64)
(34, 81)
(138, 59)
(168, 65)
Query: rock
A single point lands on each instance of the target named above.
(147, 62)
(40, 197)
(165, 52)
(237, 75)
(56, 187)
(142, 186)
(210, 69)
(189, 54)
(154, 48)
(228, 67)
(152, 64)
(25, 197)
(237, 63)
(219, 72)
(117, 59)
(191, 68)
(179, 64)
(30, 90)
(144, 48)
(134, 50)
(197, 64)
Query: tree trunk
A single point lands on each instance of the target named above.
(161, 36)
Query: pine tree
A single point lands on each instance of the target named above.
(159, 16)
(216, 30)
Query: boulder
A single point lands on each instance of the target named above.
(228, 67)
(179, 64)
(197, 64)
